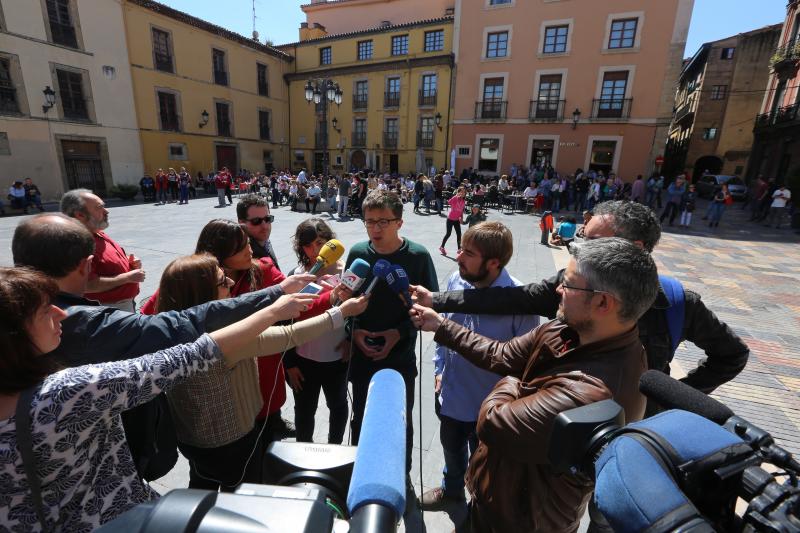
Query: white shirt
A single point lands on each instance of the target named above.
(323, 348)
(780, 197)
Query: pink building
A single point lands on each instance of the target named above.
(573, 84)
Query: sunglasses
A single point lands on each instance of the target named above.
(257, 221)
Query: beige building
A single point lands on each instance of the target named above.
(334, 17)
(718, 96)
(570, 84)
(83, 132)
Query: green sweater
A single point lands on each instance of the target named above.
(386, 310)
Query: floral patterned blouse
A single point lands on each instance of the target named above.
(85, 468)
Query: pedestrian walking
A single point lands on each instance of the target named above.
(454, 217)
(688, 207)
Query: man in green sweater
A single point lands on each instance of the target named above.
(383, 336)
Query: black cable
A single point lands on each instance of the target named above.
(419, 430)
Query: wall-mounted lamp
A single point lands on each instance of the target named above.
(49, 99)
(438, 120)
(335, 123)
(576, 116)
(203, 118)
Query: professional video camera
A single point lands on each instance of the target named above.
(681, 470)
(314, 487)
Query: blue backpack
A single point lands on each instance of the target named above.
(676, 311)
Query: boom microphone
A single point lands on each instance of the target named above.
(379, 272)
(673, 394)
(397, 279)
(354, 277)
(330, 252)
(377, 495)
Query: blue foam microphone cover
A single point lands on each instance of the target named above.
(379, 473)
(379, 271)
(397, 279)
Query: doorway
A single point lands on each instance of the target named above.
(226, 157)
(83, 165)
(394, 164)
(358, 160)
(542, 153)
(602, 156)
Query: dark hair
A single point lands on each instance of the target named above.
(188, 281)
(52, 243)
(223, 238)
(379, 199)
(632, 221)
(248, 201)
(307, 232)
(23, 291)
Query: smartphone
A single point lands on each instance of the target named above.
(311, 288)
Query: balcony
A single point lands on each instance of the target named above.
(491, 110)
(546, 110)
(359, 139)
(391, 99)
(360, 102)
(390, 140)
(427, 98)
(63, 34)
(8, 100)
(687, 109)
(783, 116)
(786, 57)
(611, 108)
(424, 139)
(220, 77)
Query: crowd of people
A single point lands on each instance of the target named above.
(208, 357)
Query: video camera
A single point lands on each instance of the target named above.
(681, 470)
(312, 488)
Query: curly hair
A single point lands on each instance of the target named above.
(632, 221)
(307, 232)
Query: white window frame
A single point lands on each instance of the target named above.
(558, 22)
(617, 152)
(637, 39)
(483, 78)
(535, 137)
(476, 151)
(485, 42)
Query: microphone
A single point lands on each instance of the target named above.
(354, 277)
(330, 253)
(377, 495)
(379, 271)
(397, 279)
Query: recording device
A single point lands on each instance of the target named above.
(379, 272)
(311, 288)
(355, 276)
(397, 279)
(317, 487)
(677, 471)
(330, 252)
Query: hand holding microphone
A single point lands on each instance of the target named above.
(397, 279)
(352, 280)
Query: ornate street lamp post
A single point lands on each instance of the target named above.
(324, 91)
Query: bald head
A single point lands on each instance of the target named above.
(52, 243)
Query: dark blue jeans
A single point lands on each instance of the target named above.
(459, 441)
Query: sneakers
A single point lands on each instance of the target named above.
(436, 498)
(442, 250)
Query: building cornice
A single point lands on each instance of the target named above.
(369, 31)
(403, 64)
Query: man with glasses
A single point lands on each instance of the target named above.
(253, 214)
(590, 352)
(384, 336)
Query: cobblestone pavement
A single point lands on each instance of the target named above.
(746, 273)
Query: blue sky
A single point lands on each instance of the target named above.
(279, 20)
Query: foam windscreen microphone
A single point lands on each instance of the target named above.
(330, 252)
(673, 394)
(379, 272)
(397, 279)
(354, 277)
(377, 495)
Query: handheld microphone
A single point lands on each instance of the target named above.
(379, 271)
(354, 277)
(330, 253)
(377, 495)
(397, 279)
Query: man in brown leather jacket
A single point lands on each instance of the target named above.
(591, 352)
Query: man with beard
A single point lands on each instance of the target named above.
(115, 276)
(590, 352)
(460, 386)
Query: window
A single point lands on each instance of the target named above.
(427, 93)
(218, 66)
(497, 44)
(168, 111)
(325, 56)
(8, 92)
(223, 119)
(718, 92)
(392, 96)
(361, 94)
(178, 151)
(162, 51)
(464, 151)
(492, 89)
(434, 40)
(548, 99)
(391, 133)
(727, 53)
(263, 125)
(73, 102)
(262, 75)
(489, 155)
(499, 2)
(492, 105)
(612, 95)
(709, 134)
(62, 30)
(555, 39)
(425, 134)
(623, 33)
(364, 50)
(360, 132)
(400, 45)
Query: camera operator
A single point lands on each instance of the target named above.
(591, 352)
(726, 354)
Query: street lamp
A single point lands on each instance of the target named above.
(49, 99)
(203, 119)
(324, 91)
(438, 120)
(576, 116)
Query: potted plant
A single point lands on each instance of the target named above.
(124, 191)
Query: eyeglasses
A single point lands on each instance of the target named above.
(225, 282)
(381, 222)
(257, 221)
(565, 286)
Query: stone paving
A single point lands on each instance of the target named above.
(746, 273)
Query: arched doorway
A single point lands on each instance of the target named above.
(710, 163)
(358, 160)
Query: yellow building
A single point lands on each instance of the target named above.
(396, 84)
(205, 97)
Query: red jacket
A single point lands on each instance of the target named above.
(161, 181)
(222, 180)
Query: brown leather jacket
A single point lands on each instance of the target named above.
(512, 485)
